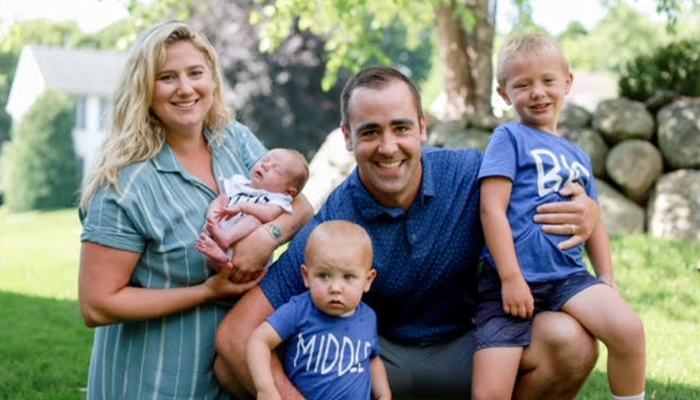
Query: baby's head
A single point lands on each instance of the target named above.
(338, 267)
(281, 171)
(534, 76)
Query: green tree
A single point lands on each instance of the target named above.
(43, 171)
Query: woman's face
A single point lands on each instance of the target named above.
(184, 88)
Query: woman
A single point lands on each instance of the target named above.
(142, 282)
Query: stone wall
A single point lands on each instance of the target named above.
(646, 159)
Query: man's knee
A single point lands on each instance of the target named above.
(570, 349)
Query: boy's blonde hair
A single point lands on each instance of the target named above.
(531, 43)
(136, 134)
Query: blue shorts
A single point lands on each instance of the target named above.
(495, 328)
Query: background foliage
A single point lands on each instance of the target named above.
(674, 67)
(43, 171)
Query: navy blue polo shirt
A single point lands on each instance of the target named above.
(426, 257)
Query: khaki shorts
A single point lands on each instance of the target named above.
(434, 371)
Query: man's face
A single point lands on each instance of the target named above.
(385, 134)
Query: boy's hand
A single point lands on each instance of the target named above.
(517, 298)
(610, 282)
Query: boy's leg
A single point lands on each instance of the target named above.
(602, 311)
(211, 249)
(240, 229)
(495, 370)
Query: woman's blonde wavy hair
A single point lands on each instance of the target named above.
(136, 134)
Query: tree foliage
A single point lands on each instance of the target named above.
(43, 171)
(674, 67)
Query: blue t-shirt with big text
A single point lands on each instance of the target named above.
(539, 164)
(327, 357)
(426, 257)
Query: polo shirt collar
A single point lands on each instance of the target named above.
(370, 208)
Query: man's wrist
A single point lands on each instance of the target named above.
(275, 232)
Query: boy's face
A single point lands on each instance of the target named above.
(275, 171)
(337, 277)
(536, 86)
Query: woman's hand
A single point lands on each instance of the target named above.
(221, 285)
(577, 217)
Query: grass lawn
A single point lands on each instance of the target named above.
(45, 348)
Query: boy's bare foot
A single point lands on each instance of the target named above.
(210, 249)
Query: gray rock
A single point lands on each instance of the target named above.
(674, 207)
(679, 133)
(620, 215)
(634, 165)
(574, 116)
(592, 143)
(454, 135)
(621, 119)
(329, 167)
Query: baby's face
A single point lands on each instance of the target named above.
(337, 278)
(274, 172)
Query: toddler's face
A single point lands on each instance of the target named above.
(536, 85)
(337, 278)
(274, 172)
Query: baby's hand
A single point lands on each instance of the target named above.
(517, 298)
(227, 213)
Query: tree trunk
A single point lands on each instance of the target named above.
(466, 56)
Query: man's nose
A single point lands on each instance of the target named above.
(387, 143)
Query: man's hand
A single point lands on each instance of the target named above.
(576, 218)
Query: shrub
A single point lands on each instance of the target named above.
(43, 169)
(675, 67)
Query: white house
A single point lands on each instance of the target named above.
(88, 76)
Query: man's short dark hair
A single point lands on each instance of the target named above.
(375, 78)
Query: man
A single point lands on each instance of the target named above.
(420, 207)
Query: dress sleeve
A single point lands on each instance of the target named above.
(109, 223)
(250, 148)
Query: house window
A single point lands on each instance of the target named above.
(104, 114)
(81, 113)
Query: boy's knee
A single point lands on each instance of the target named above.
(628, 336)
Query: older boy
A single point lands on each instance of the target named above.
(525, 165)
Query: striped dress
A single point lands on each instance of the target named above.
(160, 213)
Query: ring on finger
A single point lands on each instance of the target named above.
(572, 229)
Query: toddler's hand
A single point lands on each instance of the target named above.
(517, 298)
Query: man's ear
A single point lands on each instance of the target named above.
(305, 275)
(348, 137)
(504, 95)
(423, 121)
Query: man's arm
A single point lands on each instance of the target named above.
(380, 380)
(261, 344)
(232, 338)
(581, 215)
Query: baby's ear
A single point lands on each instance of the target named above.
(291, 191)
